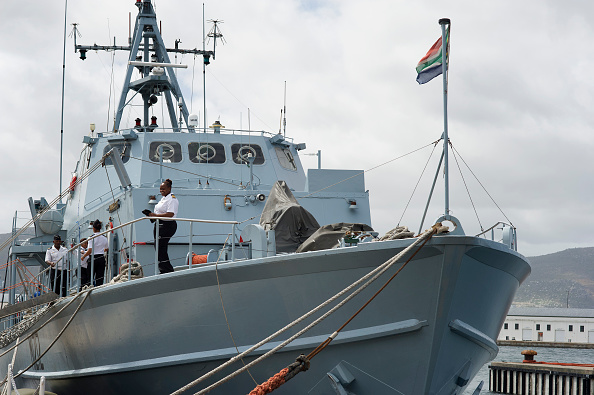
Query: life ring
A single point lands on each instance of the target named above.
(206, 152)
(244, 152)
(73, 182)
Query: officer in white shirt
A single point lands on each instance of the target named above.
(166, 208)
(57, 258)
(97, 247)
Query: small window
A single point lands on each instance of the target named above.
(506, 337)
(505, 326)
(171, 151)
(285, 158)
(124, 149)
(206, 152)
(548, 327)
(571, 328)
(517, 326)
(581, 328)
(537, 327)
(240, 153)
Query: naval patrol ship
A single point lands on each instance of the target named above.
(278, 272)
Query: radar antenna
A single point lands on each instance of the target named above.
(147, 47)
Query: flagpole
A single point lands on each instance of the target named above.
(444, 44)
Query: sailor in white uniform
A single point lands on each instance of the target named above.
(57, 258)
(97, 247)
(166, 208)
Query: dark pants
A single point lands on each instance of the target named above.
(85, 276)
(166, 230)
(60, 279)
(98, 270)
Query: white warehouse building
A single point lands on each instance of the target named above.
(548, 325)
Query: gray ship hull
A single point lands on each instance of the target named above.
(428, 332)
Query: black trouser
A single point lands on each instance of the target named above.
(58, 277)
(166, 230)
(85, 276)
(98, 270)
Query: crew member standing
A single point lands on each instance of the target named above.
(166, 208)
(97, 247)
(56, 257)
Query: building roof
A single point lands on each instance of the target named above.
(550, 312)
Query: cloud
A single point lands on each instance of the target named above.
(520, 98)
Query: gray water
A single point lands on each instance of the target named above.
(512, 354)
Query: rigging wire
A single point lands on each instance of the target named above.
(482, 186)
(239, 101)
(466, 186)
(50, 205)
(117, 211)
(418, 181)
(185, 171)
(357, 175)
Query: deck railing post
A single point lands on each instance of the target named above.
(93, 265)
(190, 246)
(157, 237)
(107, 274)
(78, 268)
(130, 254)
(233, 243)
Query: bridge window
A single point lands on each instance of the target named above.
(206, 152)
(240, 153)
(285, 158)
(171, 151)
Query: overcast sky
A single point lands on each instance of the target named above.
(520, 98)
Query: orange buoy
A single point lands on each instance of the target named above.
(198, 259)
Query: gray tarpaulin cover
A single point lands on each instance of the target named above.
(328, 236)
(292, 224)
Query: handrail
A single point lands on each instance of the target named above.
(208, 221)
(509, 237)
(75, 249)
(198, 130)
(494, 226)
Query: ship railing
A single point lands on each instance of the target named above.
(508, 237)
(128, 254)
(199, 130)
(27, 287)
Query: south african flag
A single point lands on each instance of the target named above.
(430, 66)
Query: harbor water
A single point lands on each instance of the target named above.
(512, 354)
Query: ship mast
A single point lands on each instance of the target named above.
(146, 51)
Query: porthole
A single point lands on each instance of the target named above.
(206, 152)
(171, 151)
(240, 153)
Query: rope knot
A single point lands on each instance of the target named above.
(301, 364)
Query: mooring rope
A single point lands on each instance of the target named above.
(369, 278)
(302, 362)
(87, 293)
(223, 305)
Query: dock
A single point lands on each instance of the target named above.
(541, 378)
